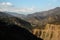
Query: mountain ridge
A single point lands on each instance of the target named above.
(43, 18)
(10, 19)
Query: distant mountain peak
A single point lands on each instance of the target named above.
(57, 8)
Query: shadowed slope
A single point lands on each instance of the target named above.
(14, 32)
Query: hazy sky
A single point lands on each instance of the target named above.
(28, 6)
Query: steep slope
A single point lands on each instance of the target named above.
(40, 19)
(14, 20)
(14, 32)
(50, 32)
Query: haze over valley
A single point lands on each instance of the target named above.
(37, 19)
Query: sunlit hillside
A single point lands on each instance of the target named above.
(51, 32)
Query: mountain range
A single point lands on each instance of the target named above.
(10, 19)
(10, 30)
(39, 19)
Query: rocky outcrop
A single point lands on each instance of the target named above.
(51, 32)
